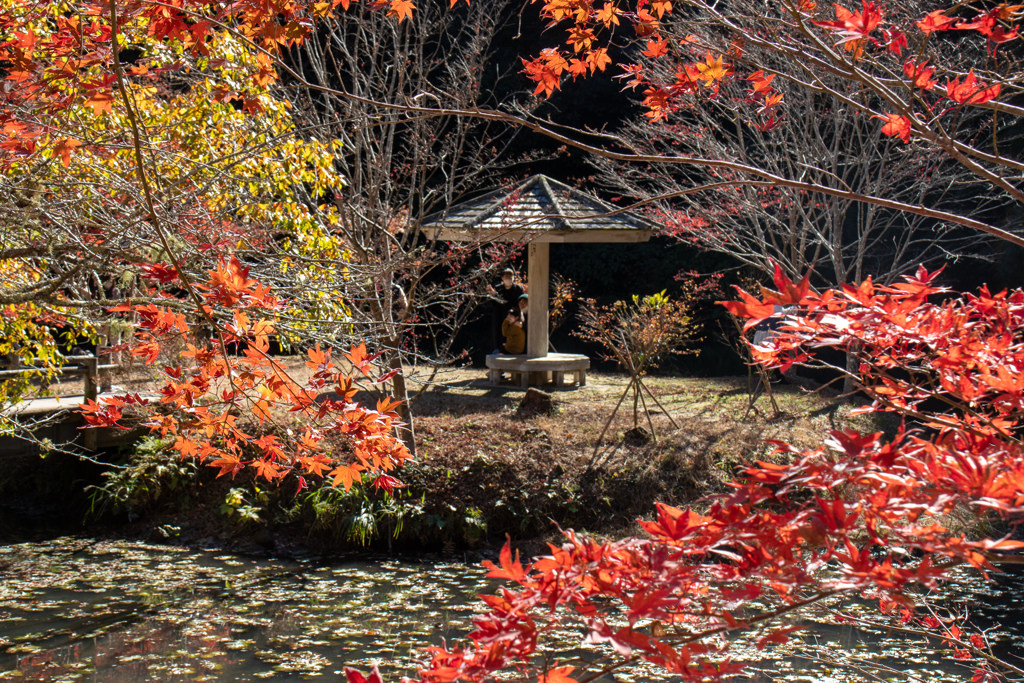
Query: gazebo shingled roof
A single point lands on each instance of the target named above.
(542, 211)
(538, 205)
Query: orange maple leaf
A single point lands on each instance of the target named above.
(186, 447)
(557, 9)
(149, 352)
(346, 475)
(100, 102)
(712, 69)
(316, 465)
(598, 59)
(511, 569)
(645, 23)
(770, 102)
(228, 464)
(266, 73)
(658, 101)
(580, 38)
(660, 7)
(608, 15)
(544, 75)
(687, 79)
(656, 47)
(761, 83)
(359, 358)
(387, 405)
(401, 9)
(267, 469)
(64, 148)
(318, 357)
(577, 67)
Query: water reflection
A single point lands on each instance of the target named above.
(82, 611)
(119, 612)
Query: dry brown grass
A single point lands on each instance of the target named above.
(473, 448)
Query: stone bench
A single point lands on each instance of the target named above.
(537, 371)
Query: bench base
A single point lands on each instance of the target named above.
(540, 370)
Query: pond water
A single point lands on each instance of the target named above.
(75, 609)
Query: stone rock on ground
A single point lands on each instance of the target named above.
(535, 402)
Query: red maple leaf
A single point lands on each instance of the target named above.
(511, 569)
(920, 74)
(894, 41)
(751, 308)
(936, 21)
(160, 272)
(896, 126)
(987, 24)
(971, 91)
(354, 676)
(557, 675)
(854, 26)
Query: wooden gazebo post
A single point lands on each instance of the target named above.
(538, 279)
(541, 211)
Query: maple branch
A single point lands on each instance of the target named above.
(147, 192)
(545, 130)
(967, 645)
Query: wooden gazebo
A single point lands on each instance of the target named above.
(541, 211)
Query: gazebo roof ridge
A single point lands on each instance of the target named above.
(539, 204)
(543, 180)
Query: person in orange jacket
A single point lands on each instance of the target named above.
(515, 337)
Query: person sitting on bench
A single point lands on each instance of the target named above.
(515, 337)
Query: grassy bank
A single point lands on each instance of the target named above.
(483, 471)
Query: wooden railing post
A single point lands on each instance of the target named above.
(104, 375)
(91, 366)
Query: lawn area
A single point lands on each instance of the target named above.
(476, 452)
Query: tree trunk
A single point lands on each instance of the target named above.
(407, 433)
(636, 398)
(850, 381)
